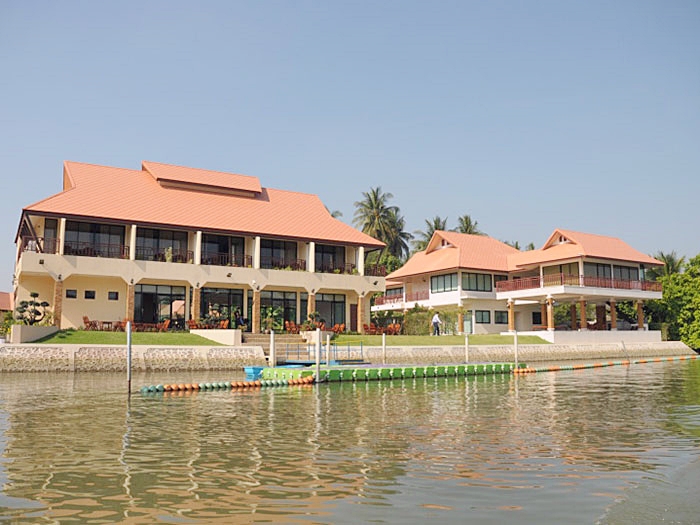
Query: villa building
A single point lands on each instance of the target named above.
(498, 288)
(176, 243)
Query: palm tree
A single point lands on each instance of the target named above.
(672, 264)
(437, 223)
(513, 244)
(336, 214)
(465, 224)
(397, 242)
(373, 215)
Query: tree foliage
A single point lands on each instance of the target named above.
(679, 308)
(32, 311)
(431, 226)
(465, 224)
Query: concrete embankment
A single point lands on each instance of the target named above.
(112, 358)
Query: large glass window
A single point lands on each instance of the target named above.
(279, 255)
(156, 303)
(161, 245)
(331, 308)
(597, 270)
(477, 282)
(329, 258)
(218, 304)
(285, 301)
(94, 240)
(626, 273)
(222, 250)
(443, 283)
(50, 235)
(500, 317)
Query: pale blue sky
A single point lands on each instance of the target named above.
(526, 115)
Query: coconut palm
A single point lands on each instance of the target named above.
(373, 214)
(398, 239)
(465, 224)
(672, 264)
(423, 237)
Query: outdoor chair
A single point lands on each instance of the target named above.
(90, 325)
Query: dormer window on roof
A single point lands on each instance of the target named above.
(193, 179)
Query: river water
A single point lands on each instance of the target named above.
(612, 445)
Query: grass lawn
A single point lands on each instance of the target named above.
(88, 337)
(443, 340)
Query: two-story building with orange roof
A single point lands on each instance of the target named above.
(177, 243)
(501, 289)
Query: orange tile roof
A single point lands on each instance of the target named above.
(579, 245)
(202, 178)
(134, 196)
(474, 252)
(6, 300)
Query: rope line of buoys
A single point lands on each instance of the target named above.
(227, 385)
(600, 364)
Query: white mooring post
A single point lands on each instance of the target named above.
(318, 355)
(466, 348)
(128, 356)
(273, 351)
(515, 345)
(384, 348)
(328, 351)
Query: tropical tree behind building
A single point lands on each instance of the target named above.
(465, 224)
(672, 265)
(431, 226)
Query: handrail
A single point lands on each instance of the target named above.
(560, 279)
(280, 263)
(96, 249)
(227, 259)
(147, 253)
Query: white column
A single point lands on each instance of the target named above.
(311, 257)
(61, 235)
(256, 253)
(580, 272)
(361, 260)
(132, 243)
(198, 247)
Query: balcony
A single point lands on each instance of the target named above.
(39, 244)
(279, 263)
(227, 259)
(346, 268)
(397, 299)
(88, 249)
(144, 253)
(375, 270)
(530, 283)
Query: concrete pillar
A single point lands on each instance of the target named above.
(256, 311)
(57, 302)
(511, 315)
(360, 314)
(196, 303)
(600, 321)
(361, 260)
(572, 313)
(311, 304)
(613, 315)
(132, 242)
(640, 316)
(61, 235)
(130, 298)
(583, 325)
(198, 247)
(460, 322)
(543, 313)
(256, 253)
(311, 257)
(550, 314)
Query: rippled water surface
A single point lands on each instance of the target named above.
(612, 445)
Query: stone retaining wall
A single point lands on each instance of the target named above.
(112, 358)
(426, 355)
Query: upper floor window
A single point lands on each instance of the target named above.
(478, 282)
(597, 270)
(329, 258)
(626, 273)
(223, 250)
(279, 255)
(393, 292)
(443, 283)
(94, 240)
(161, 245)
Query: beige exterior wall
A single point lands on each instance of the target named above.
(100, 308)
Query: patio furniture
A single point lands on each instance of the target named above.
(90, 325)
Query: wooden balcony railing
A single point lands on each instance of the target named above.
(529, 283)
(226, 259)
(388, 299)
(418, 296)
